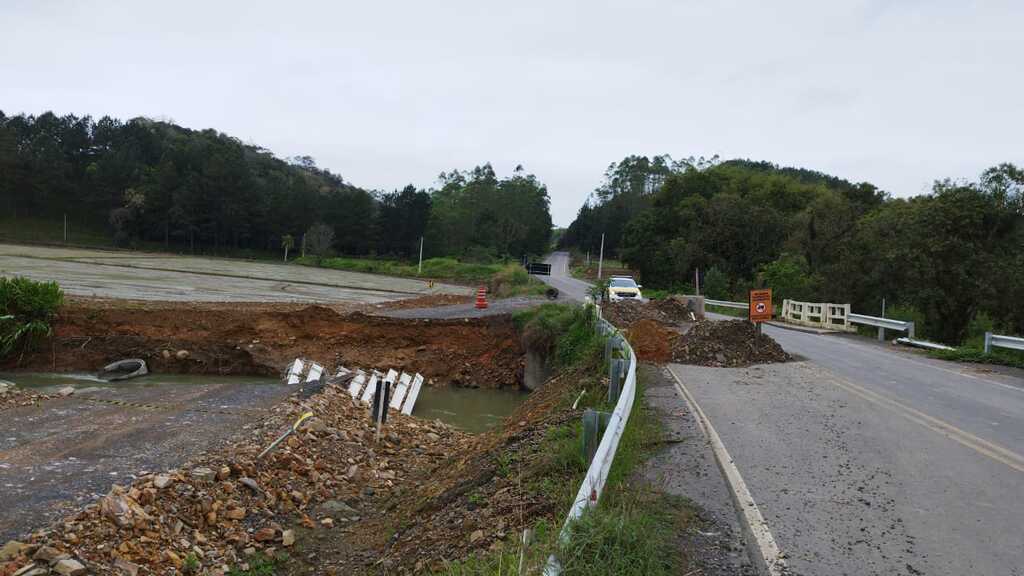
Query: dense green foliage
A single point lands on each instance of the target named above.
(144, 182)
(26, 310)
(946, 256)
(564, 331)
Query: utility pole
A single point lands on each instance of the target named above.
(600, 261)
(65, 228)
(696, 281)
(419, 269)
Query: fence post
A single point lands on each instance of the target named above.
(594, 425)
(614, 380)
(988, 342)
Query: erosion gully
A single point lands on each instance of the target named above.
(215, 372)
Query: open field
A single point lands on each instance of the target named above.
(146, 276)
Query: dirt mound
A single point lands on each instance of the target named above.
(651, 340)
(672, 310)
(732, 343)
(243, 340)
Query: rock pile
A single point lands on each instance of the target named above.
(732, 343)
(672, 310)
(12, 396)
(222, 509)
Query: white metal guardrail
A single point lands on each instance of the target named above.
(597, 474)
(726, 304)
(1011, 342)
(883, 324)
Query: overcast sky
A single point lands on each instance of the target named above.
(897, 93)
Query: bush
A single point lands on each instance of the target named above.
(566, 332)
(789, 277)
(26, 310)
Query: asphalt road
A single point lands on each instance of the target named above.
(569, 288)
(866, 458)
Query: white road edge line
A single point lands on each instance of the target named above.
(761, 546)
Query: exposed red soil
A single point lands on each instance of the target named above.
(262, 339)
(651, 340)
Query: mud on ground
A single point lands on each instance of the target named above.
(261, 339)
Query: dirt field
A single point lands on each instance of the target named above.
(167, 277)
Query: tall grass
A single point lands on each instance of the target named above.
(26, 310)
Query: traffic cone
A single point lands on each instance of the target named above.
(481, 297)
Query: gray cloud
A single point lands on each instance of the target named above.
(387, 93)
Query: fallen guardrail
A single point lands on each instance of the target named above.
(726, 304)
(1011, 342)
(597, 474)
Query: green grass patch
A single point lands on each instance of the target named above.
(632, 536)
(48, 231)
(973, 354)
(258, 565)
(26, 312)
(503, 280)
(567, 332)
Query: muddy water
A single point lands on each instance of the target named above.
(47, 383)
(470, 409)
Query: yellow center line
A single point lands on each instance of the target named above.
(980, 445)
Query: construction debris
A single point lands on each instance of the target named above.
(732, 343)
(211, 513)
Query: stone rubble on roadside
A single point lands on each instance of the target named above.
(224, 506)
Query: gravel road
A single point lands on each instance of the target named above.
(55, 457)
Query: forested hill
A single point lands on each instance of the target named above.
(945, 259)
(148, 182)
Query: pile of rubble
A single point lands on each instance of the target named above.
(732, 343)
(221, 510)
(673, 310)
(11, 396)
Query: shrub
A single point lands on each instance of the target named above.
(26, 309)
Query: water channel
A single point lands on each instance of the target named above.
(469, 409)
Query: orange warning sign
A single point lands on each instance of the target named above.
(760, 305)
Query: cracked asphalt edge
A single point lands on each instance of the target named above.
(761, 546)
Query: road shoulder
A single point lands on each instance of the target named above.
(685, 467)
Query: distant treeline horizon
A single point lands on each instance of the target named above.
(150, 182)
(952, 260)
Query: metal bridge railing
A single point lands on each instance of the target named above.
(1011, 342)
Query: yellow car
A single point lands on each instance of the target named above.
(623, 289)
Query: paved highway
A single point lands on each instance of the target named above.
(868, 459)
(568, 287)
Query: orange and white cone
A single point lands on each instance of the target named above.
(481, 297)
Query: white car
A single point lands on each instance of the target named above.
(623, 289)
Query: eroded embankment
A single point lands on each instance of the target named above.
(261, 340)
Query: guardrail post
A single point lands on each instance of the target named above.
(594, 425)
(881, 334)
(988, 342)
(615, 379)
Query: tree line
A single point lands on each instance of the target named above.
(146, 182)
(946, 259)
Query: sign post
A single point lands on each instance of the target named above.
(760, 309)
